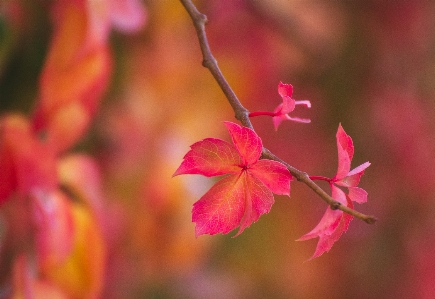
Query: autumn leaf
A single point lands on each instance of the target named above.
(241, 197)
(334, 222)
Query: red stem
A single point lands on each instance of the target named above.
(320, 178)
(259, 113)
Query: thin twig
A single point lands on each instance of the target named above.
(242, 114)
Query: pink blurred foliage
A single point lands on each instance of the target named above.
(21, 172)
(54, 229)
(39, 183)
(405, 121)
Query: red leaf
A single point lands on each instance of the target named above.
(242, 197)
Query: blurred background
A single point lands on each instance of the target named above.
(369, 65)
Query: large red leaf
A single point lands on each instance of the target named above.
(242, 197)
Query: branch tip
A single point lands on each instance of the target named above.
(371, 220)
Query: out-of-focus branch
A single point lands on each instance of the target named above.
(242, 114)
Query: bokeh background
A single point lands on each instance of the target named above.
(369, 65)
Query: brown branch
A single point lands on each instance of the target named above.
(241, 113)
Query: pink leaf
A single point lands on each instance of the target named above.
(246, 141)
(285, 90)
(296, 119)
(326, 226)
(287, 106)
(325, 244)
(358, 195)
(304, 102)
(331, 226)
(345, 141)
(345, 153)
(277, 120)
(334, 223)
(272, 174)
(210, 157)
(353, 177)
(359, 169)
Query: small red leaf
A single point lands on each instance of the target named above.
(334, 223)
(288, 105)
(331, 226)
